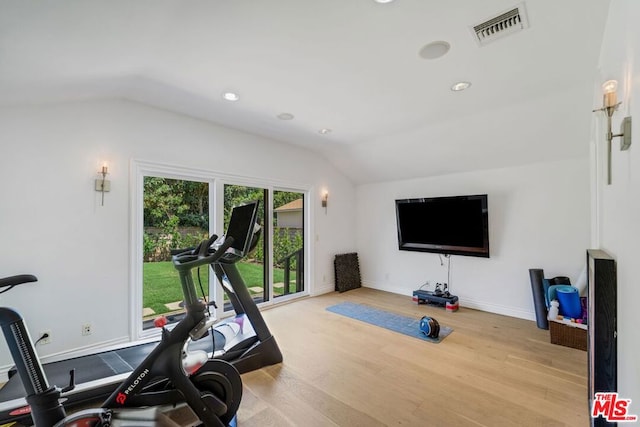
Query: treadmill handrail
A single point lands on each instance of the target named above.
(12, 281)
(198, 257)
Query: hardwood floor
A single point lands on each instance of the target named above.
(491, 371)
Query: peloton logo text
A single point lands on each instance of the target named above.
(122, 397)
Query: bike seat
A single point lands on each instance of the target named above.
(12, 281)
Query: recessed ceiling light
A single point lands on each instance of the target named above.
(231, 96)
(383, 1)
(457, 87)
(285, 116)
(324, 131)
(434, 50)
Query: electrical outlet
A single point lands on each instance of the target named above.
(86, 329)
(45, 340)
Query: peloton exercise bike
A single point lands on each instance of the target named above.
(248, 346)
(169, 375)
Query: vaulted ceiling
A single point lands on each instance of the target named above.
(352, 67)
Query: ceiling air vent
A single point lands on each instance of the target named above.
(509, 22)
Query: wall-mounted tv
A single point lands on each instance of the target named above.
(457, 225)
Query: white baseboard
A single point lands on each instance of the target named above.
(386, 288)
(89, 349)
(464, 302)
(324, 289)
(497, 309)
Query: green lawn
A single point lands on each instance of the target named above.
(162, 284)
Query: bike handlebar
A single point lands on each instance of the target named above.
(205, 247)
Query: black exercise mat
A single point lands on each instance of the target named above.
(99, 365)
(88, 368)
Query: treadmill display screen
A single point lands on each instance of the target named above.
(241, 226)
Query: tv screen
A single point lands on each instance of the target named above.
(456, 225)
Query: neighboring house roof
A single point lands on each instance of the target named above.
(296, 205)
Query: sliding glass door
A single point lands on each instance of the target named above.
(175, 215)
(254, 267)
(176, 208)
(288, 242)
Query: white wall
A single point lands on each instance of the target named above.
(538, 218)
(52, 224)
(617, 229)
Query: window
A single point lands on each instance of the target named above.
(177, 207)
(288, 242)
(254, 267)
(175, 216)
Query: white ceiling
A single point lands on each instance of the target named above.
(348, 65)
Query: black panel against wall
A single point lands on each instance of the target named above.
(602, 318)
(347, 270)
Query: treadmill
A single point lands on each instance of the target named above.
(243, 340)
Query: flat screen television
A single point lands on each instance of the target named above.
(457, 225)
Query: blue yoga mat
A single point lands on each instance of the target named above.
(394, 322)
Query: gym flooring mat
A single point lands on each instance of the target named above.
(95, 366)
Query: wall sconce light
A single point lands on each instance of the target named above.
(103, 185)
(609, 105)
(325, 197)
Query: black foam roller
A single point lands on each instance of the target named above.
(537, 288)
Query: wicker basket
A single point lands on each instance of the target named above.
(568, 335)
